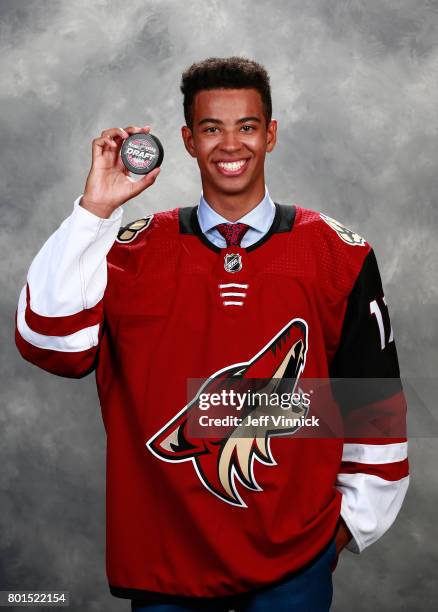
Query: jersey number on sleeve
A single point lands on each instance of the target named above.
(377, 312)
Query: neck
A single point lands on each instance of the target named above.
(233, 206)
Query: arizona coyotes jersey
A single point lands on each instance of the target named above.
(154, 304)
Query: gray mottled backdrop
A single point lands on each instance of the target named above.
(355, 89)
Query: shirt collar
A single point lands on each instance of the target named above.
(259, 218)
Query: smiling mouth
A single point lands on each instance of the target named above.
(232, 168)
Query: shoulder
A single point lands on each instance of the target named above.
(151, 225)
(329, 228)
(339, 251)
(136, 238)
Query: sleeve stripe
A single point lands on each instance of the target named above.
(387, 471)
(70, 365)
(61, 325)
(375, 453)
(79, 341)
(375, 441)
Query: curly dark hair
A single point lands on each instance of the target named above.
(225, 73)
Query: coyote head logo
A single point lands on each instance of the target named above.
(219, 462)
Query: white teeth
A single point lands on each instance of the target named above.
(232, 166)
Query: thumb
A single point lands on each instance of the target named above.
(145, 182)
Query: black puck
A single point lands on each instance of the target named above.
(141, 153)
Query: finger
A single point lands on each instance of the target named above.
(121, 166)
(115, 133)
(118, 135)
(100, 144)
(133, 129)
(145, 182)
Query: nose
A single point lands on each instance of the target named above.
(230, 142)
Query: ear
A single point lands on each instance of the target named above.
(271, 135)
(187, 137)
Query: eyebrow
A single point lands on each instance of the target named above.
(218, 121)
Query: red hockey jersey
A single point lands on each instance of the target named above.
(153, 304)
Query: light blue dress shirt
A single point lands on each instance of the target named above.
(259, 220)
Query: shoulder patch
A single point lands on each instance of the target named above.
(345, 234)
(129, 232)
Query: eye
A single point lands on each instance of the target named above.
(247, 128)
(211, 129)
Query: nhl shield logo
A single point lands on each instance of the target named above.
(233, 262)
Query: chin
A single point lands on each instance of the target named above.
(233, 189)
(232, 186)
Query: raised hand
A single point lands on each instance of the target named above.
(109, 183)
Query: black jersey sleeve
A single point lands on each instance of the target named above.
(366, 348)
(373, 475)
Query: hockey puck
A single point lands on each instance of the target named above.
(141, 153)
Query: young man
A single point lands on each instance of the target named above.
(236, 288)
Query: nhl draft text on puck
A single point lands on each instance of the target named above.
(141, 153)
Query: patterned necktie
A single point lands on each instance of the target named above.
(232, 232)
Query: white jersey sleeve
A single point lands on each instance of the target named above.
(60, 308)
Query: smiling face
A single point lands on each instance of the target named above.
(230, 139)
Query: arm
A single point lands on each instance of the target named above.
(374, 472)
(59, 319)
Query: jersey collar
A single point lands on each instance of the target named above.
(283, 222)
(259, 218)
